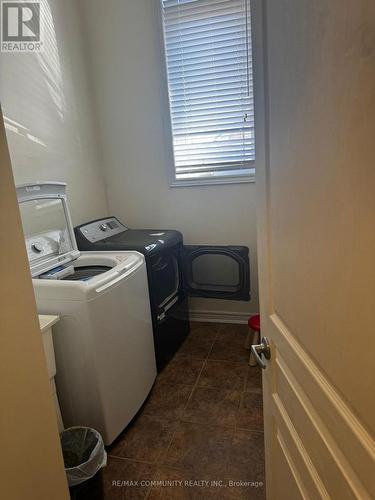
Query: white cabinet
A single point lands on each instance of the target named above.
(46, 323)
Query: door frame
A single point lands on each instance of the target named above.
(261, 106)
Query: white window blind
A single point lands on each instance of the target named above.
(210, 82)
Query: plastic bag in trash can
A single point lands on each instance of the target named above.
(84, 453)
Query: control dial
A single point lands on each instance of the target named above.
(37, 247)
(103, 227)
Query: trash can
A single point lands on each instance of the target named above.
(83, 452)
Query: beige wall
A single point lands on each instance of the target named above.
(31, 463)
(48, 113)
(126, 72)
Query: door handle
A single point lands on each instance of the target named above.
(262, 348)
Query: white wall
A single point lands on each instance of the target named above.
(123, 43)
(48, 113)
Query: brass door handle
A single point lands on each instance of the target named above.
(262, 348)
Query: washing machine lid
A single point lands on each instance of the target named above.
(47, 225)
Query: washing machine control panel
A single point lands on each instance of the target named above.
(101, 229)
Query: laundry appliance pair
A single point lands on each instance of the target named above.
(122, 296)
(175, 273)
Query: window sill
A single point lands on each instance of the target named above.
(212, 182)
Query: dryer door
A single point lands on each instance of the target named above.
(217, 272)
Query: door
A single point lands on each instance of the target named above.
(316, 249)
(31, 461)
(217, 272)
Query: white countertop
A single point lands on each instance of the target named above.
(46, 321)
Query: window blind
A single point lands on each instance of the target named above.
(210, 83)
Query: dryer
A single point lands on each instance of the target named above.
(103, 342)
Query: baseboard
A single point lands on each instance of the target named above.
(219, 316)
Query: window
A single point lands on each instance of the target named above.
(210, 84)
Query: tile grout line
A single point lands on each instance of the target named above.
(203, 366)
(194, 387)
(201, 370)
(244, 385)
(189, 398)
(200, 373)
(239, 405)
(241, 400)
(220, 328)
(196, 382)
(133, 460)
(205, 424)
(159, 461)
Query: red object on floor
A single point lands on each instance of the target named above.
(254, 322)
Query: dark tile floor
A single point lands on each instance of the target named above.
(199, 434)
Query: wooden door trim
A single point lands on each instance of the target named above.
(346, 448)
(296, 453)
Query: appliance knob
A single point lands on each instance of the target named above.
(103, 227)
(37, 247)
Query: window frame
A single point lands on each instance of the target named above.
(259, 108)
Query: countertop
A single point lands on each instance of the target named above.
(46, 321)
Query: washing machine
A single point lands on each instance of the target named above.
(103, 342)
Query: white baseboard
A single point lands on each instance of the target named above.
(219, 316)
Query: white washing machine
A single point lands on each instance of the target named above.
(103, 342)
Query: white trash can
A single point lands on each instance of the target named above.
(84, 453)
